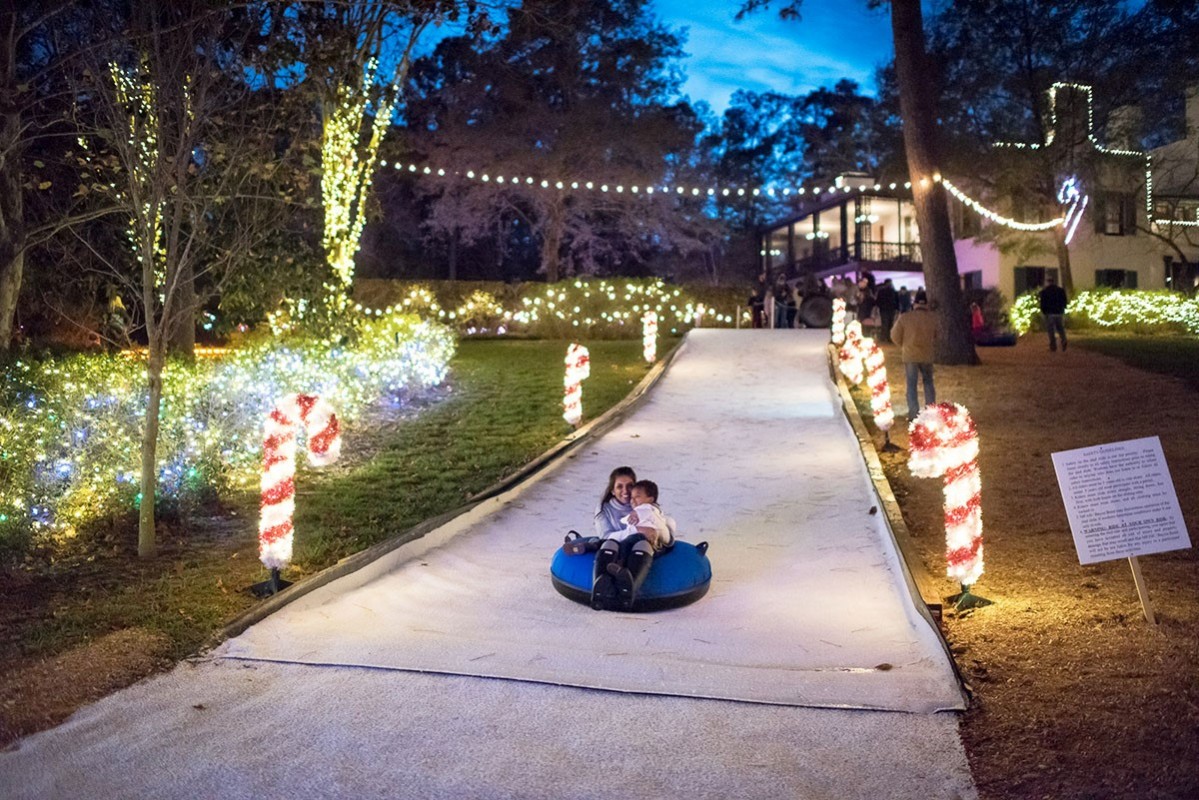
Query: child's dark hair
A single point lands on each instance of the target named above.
(619, 472)
(649, 487)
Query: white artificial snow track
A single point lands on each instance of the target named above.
(392, 668)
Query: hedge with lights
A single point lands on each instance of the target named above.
(594, 308)
(1127, 310)
(70, 427)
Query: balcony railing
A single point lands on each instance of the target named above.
(865, 251)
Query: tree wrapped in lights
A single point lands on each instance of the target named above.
(943, 442)
(649, 335)
(291, 414)
(838, 321)
(578, 369)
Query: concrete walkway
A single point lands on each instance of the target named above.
(746, 439)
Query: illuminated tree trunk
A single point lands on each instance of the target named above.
(955, 344)
(1063, 260)
(147, 545)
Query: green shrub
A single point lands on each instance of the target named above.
(1125, 310)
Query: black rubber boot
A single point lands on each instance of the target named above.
(639, 563)
(603, 588)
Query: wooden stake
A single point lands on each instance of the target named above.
(1142, 590)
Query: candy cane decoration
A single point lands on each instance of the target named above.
(943, 441)
(578, 368)
(1070, 195)
(649, 334)
(851, 353)
(880, 391)
(315, 415)
(838, 321)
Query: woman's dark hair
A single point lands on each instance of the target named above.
(649, 487)
(619, 472)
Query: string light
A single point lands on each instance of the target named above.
(876, 379)
(649, 335)
(1142, 310)
(850, 356)
(838, 329)
(1070, 195)
(995, 216)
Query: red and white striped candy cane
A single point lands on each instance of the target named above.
(943, 441)
(851, 354)
(880, 391)
(275, 531)
(838, 321)
(649, 334)
(578, 368)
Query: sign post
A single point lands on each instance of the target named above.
(1121, 504)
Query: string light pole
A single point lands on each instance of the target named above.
(838, 321)
(850, 355)
(275, 529)
(578, 369)
(943, 442)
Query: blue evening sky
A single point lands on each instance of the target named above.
(835, 39)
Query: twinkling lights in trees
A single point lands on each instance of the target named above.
(578, 369)
(876, 379)
(649, 336)
(291, 414)
(348, 165)
(943, 442)
(838, 321)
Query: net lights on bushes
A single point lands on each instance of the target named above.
(943, 442)
(578, 369)
(275, 529)
(838, 330)
(649, 335)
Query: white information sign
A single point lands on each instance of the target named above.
(1120, 500)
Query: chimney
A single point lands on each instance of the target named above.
(1192, 99)
(1071, 108)
(1124, 128)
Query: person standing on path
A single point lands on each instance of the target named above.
(886, 299)
(915, 333)
(1053, 305)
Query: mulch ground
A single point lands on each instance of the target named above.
(1074, 694)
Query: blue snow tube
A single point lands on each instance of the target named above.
(680, 575)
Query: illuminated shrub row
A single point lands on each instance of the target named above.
(591, 308)
(1132, 311)
(70, 431)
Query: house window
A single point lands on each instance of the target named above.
(1116, 278)
(1115, 214)
(1030, 278)
(972, 279)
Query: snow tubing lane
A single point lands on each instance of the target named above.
(679, 576)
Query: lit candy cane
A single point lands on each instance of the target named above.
(649, 335)
(578, 368)
(1070, 195)
(944, 442)
(851, 354)
(880, 392)
(275, 531)
(838, 321)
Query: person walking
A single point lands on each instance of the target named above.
(1053, 305)
(915, 333)
(886, 299)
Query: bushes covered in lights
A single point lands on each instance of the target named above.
(1130, 311)
(70, 428)
(592, 308)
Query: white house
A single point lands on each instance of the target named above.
(1135, 219)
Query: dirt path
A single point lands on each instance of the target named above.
(1076, 696)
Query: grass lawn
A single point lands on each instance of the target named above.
(1177, 356)
(500, 408)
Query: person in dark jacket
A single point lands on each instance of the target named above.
(886, 299)
(1053, 306)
